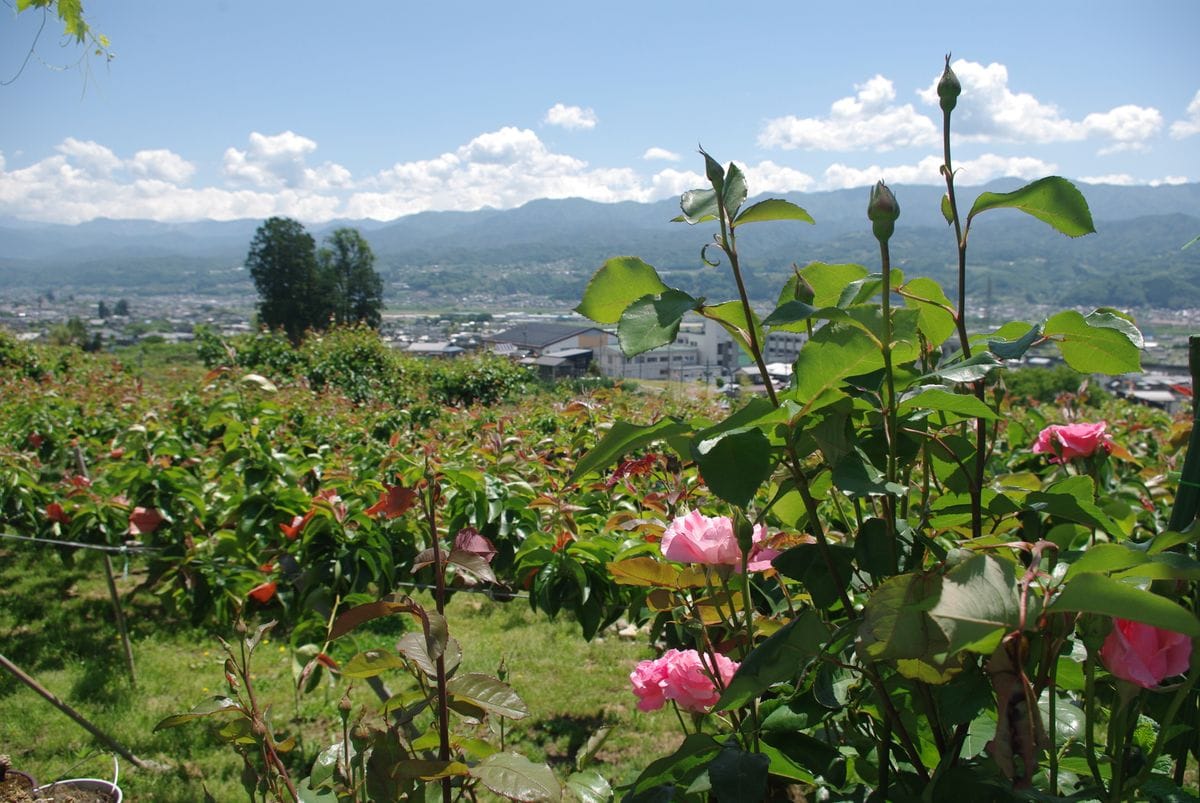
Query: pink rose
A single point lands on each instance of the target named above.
(1068, 441)
(696, 538)
(1144, 654)
(683, 676)
(649, 680)
(144, 520)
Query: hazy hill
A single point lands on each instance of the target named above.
(550, 248)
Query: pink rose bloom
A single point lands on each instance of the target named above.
(1144, 654)
(144, 520)
(696, 538)
(679, 675)
(1068, 441)
(649, 680)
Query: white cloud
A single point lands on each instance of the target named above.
(273, 162)
(989, 111)
(660, 153)
(90, 156)
(1190, 126)
(928, 171)
(1169, 180)
(572, 118)
(770, 177)
(869, 119)
(161, 164)
(1116, 179)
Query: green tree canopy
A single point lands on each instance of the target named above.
(347, 265)
(301, 288)
(291, 295)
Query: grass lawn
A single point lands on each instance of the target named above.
(57, 625)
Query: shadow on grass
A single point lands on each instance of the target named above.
(561, 737)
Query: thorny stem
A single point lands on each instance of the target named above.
(889, 410)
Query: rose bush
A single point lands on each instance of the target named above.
(1144, 654)
(1065, 442)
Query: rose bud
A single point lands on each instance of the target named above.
(948, 88)
(883, 211)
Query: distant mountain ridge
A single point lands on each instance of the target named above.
(551, 247)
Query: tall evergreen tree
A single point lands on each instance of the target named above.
(348, 268)
(291, 294)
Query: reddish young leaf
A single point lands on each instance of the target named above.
(395, 501)
(143, 520)
(264, 592)
(55, 512)
(469, 540)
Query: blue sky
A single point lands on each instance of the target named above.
(251, 108)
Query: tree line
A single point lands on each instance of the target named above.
(302, 287)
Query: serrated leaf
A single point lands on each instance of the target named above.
(737, 776)
(589, 786)
(936, 320)
(772, 209)
(618, 283)
(214, 706)
(972, 370)
(731, 315)
(490, 694)
(1093, 347)
(828, 280)
(698, 206)
(980, 598)
(1052, 200)
(832, 354)
(650, 573)
(735, 464)
(776, 660)
(371, 610)
(1014, 348)
(370, 663)
(1095, 593)
(945, 401)
(622, 438)
(653, 321)
(517, 778)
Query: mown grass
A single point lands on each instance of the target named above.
(56, 622)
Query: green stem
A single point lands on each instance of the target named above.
(890, 425)
(1089, 719)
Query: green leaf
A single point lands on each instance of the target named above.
(735, 464)
(830, 280)
(737, 776)
(698, 206)
(972, 370)
(214, 706)
(980, 600)
(517, 778)
(622, 438)
(1071, 499)
(942, 400)
(678, 769)
(653, 321)
(895, 624)
(936, 320)
(832, 354)
(1095, 593)
(777, 660)
(618, 283)
(772, 209)
(371, 663)
(1052, 200)
(261, 382)
(1014, 348)
(732, 317)
(488, 693)
(947, 209)
(1096, 344)
(1104, 558)
(589, 786)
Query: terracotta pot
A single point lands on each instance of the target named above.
(94, 785)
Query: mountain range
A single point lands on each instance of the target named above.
(549, 249)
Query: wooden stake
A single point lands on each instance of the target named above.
(72, 713)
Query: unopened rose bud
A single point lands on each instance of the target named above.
(883, 211)
(948, 88)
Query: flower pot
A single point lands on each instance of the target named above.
(80, 790)
(16, 787)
